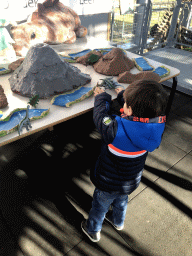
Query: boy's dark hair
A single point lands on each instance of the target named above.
(147, 98)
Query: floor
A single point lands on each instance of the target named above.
(179, 59)
(46, 193)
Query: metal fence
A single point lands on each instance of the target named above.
(147, 26)
(124, 26)
(183, 31)
(160, 22)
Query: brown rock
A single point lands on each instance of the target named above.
(14, 65)
(128, 78)
(113, 63)
(3, 98)
(84, 59)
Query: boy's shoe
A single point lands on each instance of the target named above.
(107, 217)
(93, 237)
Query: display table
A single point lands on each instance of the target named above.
(59, 114)
(176, 58)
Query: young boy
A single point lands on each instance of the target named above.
(126, 140)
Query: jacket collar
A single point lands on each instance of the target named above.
(159, 119)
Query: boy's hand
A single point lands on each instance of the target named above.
(119, 89)
(98, 90)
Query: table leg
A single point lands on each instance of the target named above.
(171, 96)
(50, 128)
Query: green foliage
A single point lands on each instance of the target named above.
(34, 100)
(92, 59)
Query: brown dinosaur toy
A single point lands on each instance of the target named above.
(51, 23)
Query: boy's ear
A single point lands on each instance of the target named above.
(130, 111)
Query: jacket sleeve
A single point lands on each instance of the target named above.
(104, 122)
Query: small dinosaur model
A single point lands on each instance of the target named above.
(108, 83)
(25, 122)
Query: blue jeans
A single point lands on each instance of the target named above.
(100, 206)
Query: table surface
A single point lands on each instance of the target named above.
(179, 59)
(59, 114)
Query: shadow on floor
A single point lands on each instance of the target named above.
(34, 205)
(35, 182)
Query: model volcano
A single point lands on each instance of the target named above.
(43, 72)
(113, 63)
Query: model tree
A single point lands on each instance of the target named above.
(93, 59)
(34, 100)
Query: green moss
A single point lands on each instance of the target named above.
(168, 71)
(5, 72)
(3, 133)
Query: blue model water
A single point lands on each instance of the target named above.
(66, 57)
(17, 117)
(79, 54)
(105, 50)
(4, 71)
(64, 99)
(161, 71)
(142, 63)
(84, 52)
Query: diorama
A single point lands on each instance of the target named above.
(42, 73)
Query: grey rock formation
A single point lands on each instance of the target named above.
(43, 72)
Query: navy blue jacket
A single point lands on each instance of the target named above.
(125, 145)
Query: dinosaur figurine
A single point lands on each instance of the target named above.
(51, 23)
(109, 83)
(25, 122)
